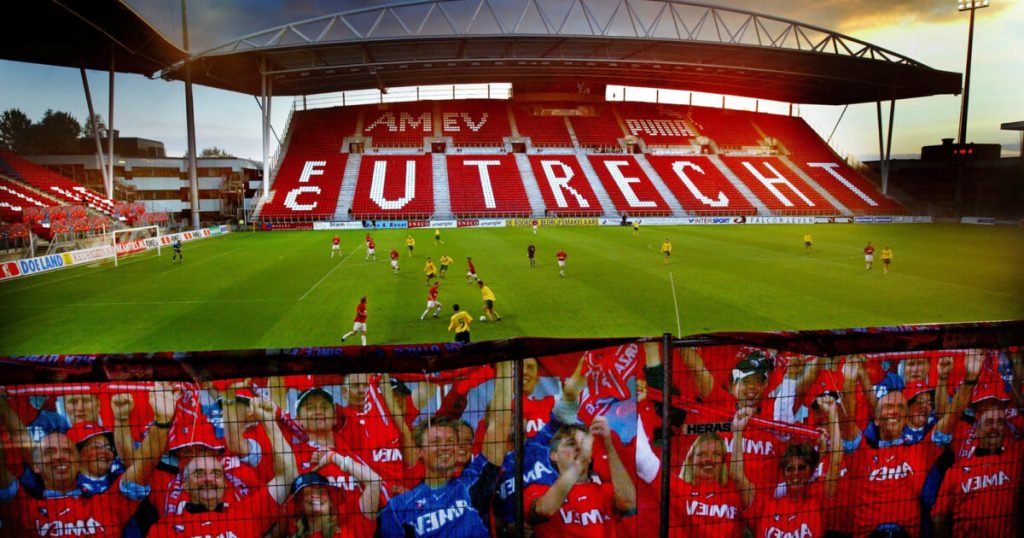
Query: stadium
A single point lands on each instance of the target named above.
(658, 300)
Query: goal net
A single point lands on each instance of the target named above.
(130, 241)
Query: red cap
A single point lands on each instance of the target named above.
(199, 433)
(83, 431)
(827, 382)
(915, 388)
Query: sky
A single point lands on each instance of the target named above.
(932, 32)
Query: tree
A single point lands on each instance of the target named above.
(100, 124)
(14, 127)
(57, 132)
(215, 152)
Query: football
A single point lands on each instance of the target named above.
(483, 318)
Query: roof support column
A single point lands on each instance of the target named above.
(885, 146)
(110, 131)
(190, 123)
(264, 110)
(95, 128)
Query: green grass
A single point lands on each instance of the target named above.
(283, 289)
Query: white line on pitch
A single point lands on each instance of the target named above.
(335, 268)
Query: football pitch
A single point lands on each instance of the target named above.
(270, 290)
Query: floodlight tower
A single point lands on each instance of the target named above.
(968, 5)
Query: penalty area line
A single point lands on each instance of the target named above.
(341, 261)
(679, 324)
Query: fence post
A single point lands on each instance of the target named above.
(666, 431)
(519, 440)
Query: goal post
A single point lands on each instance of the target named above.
(136, 240)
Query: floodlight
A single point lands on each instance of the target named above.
(965, 5)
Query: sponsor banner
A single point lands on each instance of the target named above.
(984, 221)
(491, 223)
(566, 221)
(444, 224)
(271, 226)
(91, 254)
(42, 264)
(217, 230)
(419, 223)
(708, 220)
(9, 270)
(467, 223)
(384, 224)
(351, 225)
(780, 220)
(874, 220)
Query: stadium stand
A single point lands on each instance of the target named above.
(699, 186)
(629, 188)
(728, 128)
(564, 186)
(600, 130)
(543, 130)
(778, 187)
(475, 122)
(399, 125)
(53, 183)
(812, 155)
(14, 199)
(394, 185)
(657, 125)
(501, 194)
(306, 187)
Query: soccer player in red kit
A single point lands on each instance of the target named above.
(432, 302)
(981, 495)
(394, 261)
(336, 246)
(371, 249)
(887, 479)
(471, 271)
(869, 256)
(576, 505)
(561, 262)
(359, 323)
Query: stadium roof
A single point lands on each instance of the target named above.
(70, 33)
(655, 43)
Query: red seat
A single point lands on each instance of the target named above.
(543, 130)
(55, 184)
(699, 186)
(398, 125)
(627, 185)
(777, 186)
(563, 185)
(394, 186)
(306, 187)
(598, 131)
(657, 124)
(481, 122)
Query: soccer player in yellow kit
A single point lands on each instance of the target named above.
(410, 243)
(437, 236)
(886, 259)
(489, 299)
(460, 324)
(445, 260)
(430, 270)
(666, 249)
(807, 242)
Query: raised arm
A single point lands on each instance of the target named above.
(284, 460)
(834, 449)
(396, 408)
(972, 365)
(625, 490)
(163, 399)
(121, 406)
(851, 377)
(942, 403)
(16, 427)
(369, 500)
(736, 472)
(234, 422)
(499, 415)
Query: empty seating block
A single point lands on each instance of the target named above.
(543, 130)
(599, 130)
(563, 185)
(55, 184)
(778, 186)
(14, 199)
(812, 155)
(323, 131)
(699, 186)
(663, 125)
(728, 128)
(627, 185)
(306, 187)
(475, 122)
(482, 185)
(394, 186)
(399, 125)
